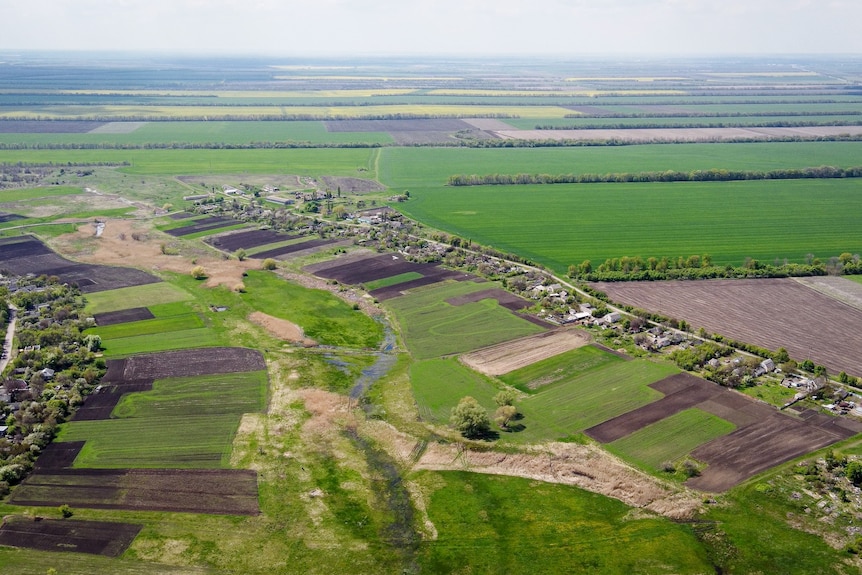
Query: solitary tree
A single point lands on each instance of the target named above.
(506, 397)
(504, 415)
(470, 418)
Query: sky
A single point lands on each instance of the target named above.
(434, 27)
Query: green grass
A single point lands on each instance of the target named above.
(147, 327)
(432, 327)
(671, 438)
(857, 279)
(220, 394)
(18, 195)
(423, 168)
(393, 280)
(324, 317)
(439, 384)
(181, 339)
(533, 378)
(135, 296)
(183, 422)
(560, 225)
(576, 403)
(190, 441)
(495, 524)
(771, 393)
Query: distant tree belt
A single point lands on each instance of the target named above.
(712, 175)
(701, 267)
(254, 117)
(686, 125)
(766, 113)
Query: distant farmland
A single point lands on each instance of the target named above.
(561, 224)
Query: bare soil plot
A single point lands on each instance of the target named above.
(281, 328)
(47, 126)
(214, 491)
(352, 185)
(680, 134)
(7, 217)
(117, 128)
(99, 405)
(69, 535)
(187, 363)
(771, 440)
(589, 110)
(181, 216)
(770, 313)
(294, 249)
(837, 288)
(30, 255)
(23, 246)
(369, 267)
(211, 223)
(488, 124)
(764, 436)
(247, 239)
(59, 455)
(122, 316)
(511, 355)
(431, 275)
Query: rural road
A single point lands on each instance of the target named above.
(10, 335)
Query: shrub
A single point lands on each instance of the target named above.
(66, 511)
(199, 273)
(269, 264)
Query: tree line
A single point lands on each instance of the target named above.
(701, 267)
(711, 175)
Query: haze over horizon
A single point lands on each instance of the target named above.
(442, 27)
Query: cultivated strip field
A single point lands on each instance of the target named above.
(764, 437)
(681, 134)
(212, 491)
(95, 537)
(511, 355)
(122, 316)
(837, 288)
(771, 313)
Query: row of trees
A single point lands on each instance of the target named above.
(711, 175)
(636, 268)
(472, 420)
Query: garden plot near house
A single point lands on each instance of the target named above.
(123, 316)
(135, 297)
(432, 327)
(212, 491)
(299, 248)
(511, 355)
(247, 239)
(202, 225)
(95, 537)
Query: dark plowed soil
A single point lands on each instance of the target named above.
(123, 316)
(69, 535)
(247, 239)
(211, 223)
(293, 248)
(506, 299)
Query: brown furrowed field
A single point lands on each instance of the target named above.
(764, 436)
(27, 255)
(122, 316)
(511, 355)
(247, 239)
(770, 313)
(94, 537)
(214, 491)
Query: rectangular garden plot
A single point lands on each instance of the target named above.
(212, 491)
(70, 535)
(211, 223)
(764, 436)
(122, 316)
(294, 248)
(247, 239)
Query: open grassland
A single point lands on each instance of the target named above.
(857, 279)
(17, 195)
(491, 521)
(581, 361)
(580, 401)
(670, 439)
(560, 225)
(432, 327)
(439, 384)
(324, 317)
(416, 168)
(136, 296)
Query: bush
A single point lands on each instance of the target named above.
(199, 273)
(66, 511)
(269, 264)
